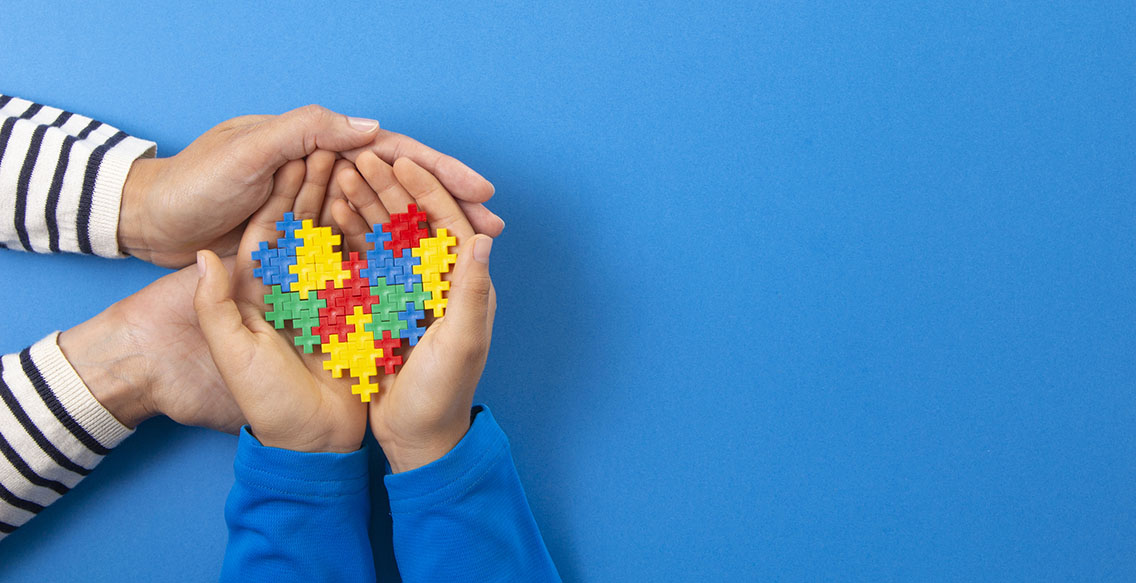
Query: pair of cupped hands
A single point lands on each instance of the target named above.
(195, 346)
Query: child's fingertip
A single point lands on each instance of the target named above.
(482, 246)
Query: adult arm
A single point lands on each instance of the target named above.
(69, 183)
(61, 179)
(53, 431)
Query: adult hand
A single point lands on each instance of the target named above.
(423, 411)
(290, 401)
(467, 186)
(146, 356)
(201, 198)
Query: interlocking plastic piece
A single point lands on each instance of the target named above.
(340, 304)
(289, 225)
(412, 332)
(317, 260)
(274, 264)
(405, 229)
(390, 360)
(289, 242)
(436, 260)
(404, 272)
(358, 310)
(395, 326)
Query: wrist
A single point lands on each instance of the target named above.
(102, 351)
(317, 445)
(406, 455)
(132, 219)
(323, 432)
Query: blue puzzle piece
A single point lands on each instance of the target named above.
(377, 268)
(274, 265)
(288, 246)
(405, 273)
(412, 332)
(380, 262)
(289, 225)
(263, 255)
(378, 237)
(283, 276)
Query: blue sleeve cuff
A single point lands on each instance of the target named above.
(483, 447)
(297, 473)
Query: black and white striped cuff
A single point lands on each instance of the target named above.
(68, 172)
(53, 432)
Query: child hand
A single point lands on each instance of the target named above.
(423, 411)
(290, 401)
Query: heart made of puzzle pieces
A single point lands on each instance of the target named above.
(358, 311)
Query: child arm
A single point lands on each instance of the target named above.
(299, 507)
(459, 511)
(297, 516)
(465, 517)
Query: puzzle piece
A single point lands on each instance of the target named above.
(436, 260)
(405, 230)
(358, 310)
(411, 316)
(317, 262)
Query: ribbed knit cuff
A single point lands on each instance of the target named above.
(107, 199)
(322, 474)
(483, 446)
(74, 395)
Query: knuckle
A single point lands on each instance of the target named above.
(314, 112)
(479, 288)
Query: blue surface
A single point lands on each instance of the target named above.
(787, 292)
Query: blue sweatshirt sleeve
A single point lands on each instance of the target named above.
(465, 517)
(296, 516)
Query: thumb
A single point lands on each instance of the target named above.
(297, 133)
(217, 314)
(472, 301)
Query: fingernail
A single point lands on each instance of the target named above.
(363, 124)
(481, 249)
(200, 265)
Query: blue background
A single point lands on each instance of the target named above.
(787, 292)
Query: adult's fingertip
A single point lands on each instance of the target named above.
(363, 124)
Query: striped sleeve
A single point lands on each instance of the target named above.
(52, 431)
(61, 179)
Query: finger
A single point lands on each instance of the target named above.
(482, 219)
(441, 209)
(459, 179)
(471, 305)
(310, 201)
(285, 186)
(381, 177)
(298, 133)
(353, 227)
(361, 195)
(230, 343)
(261, 227)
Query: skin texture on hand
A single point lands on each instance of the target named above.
(422, 412)
(202, 197)
(145, 355)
